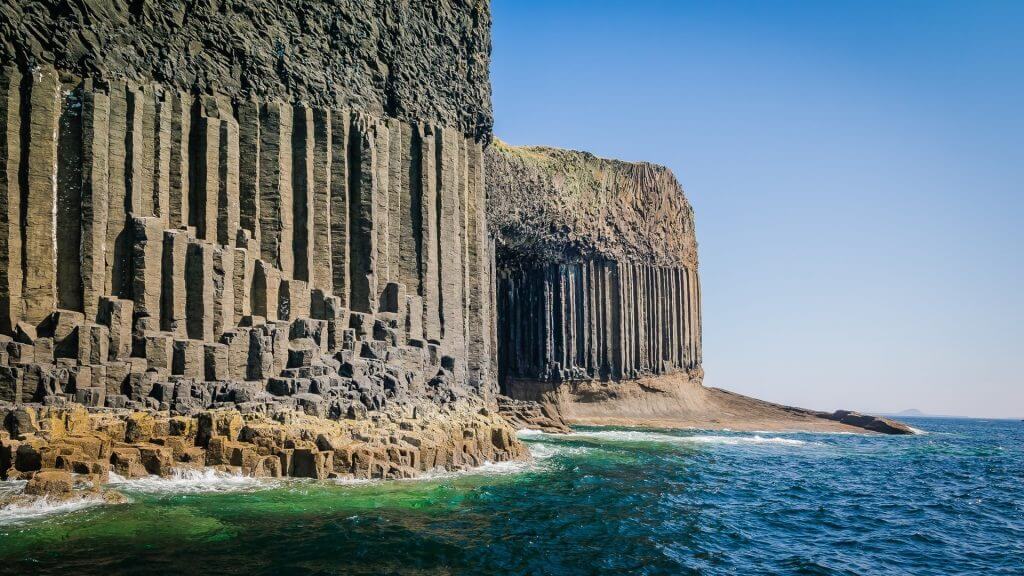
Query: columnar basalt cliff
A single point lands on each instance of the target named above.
(599, 300)
(596, 267)
(272, 209)
(274, 237)
(142, 221)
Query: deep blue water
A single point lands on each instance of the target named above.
(600, 501)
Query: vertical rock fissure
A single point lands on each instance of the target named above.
(302, 190)
(24, 139)
(69, 201)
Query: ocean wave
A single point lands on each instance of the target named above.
(813, 433)
(545, 451)
(11, 487)
(730, 440)
(38, 508)
(540, 451)
(755, 439)
(208, 480)
(193, 481)
(485, 469)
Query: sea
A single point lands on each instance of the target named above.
(948, 500)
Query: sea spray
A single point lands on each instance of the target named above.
(192, 481)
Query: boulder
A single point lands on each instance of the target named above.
(50, 483)
(871, 423)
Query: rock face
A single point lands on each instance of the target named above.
(596, 269)
(390, 58)
(255, 235)
(869, 422)
(175, 252)
(273, 208)
(532, 415)
(557, 205)
(46, 445)
(599, 301)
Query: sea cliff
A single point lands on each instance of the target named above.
(266, 213)
(599, 298)
(276, 237)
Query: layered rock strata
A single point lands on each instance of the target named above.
(596, 269)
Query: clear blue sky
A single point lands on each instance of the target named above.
(857, 171)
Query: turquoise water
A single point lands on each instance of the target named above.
(599, 501)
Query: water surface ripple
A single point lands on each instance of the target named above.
(598, 501)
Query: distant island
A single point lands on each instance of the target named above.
(915, 413)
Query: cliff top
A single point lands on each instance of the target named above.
(412, 60)
(558, 204)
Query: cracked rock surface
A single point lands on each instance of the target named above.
(410, 60)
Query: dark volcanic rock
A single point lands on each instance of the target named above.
(388, 57)
(555, 205)
(596, 264)
(869, 422)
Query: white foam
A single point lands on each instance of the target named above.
(349, 481)
(21, 512)
(755, 439)
(11, 487)
(730, 440)
(485, 469)
(543, 451)
(530, 433)
(193, 481)
(813, 432)
(539, 451)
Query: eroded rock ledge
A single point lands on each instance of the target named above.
(36, 440)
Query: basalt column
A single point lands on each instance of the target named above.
(154, 243)
(216, 216)
(561, 321)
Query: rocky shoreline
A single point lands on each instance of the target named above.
(52, 447)
(675, 401)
